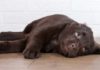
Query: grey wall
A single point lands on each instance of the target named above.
(16, 14)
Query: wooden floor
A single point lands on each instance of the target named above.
(49, 62)
(13, 61)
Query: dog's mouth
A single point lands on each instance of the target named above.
(76, 53)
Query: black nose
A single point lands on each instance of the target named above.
(72, 50)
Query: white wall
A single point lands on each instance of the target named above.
(16, 14)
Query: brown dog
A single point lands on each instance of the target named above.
(60, 34)
(55, 33)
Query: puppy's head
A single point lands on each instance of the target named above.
(76, 40)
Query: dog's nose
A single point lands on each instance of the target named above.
(73, 50)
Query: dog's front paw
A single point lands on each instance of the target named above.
(31, 54)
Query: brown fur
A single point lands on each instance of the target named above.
(56, 33)
(12, 46)
(10, 36)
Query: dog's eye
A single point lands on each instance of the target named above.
(83, 33)
(78, 35)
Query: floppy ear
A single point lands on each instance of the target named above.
(97, 48)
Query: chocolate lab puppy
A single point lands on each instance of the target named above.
(56, 33)
(61, 34)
